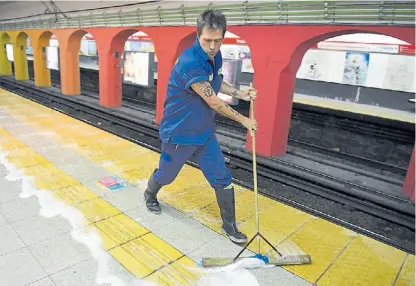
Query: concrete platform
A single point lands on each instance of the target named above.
(59, 226)
(353, 107)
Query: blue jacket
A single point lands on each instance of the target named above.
(187, 118)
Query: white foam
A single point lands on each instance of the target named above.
(50, 207)
(239, 277)
(231, 275)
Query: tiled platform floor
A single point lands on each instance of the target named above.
(61, 228)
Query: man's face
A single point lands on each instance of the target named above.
(210, 41)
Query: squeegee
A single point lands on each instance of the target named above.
(268, 259)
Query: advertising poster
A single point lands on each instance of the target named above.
(84, 48)
(314, 66)
(88, 48)
(355, 68)
(247, 66)
(92, 48)
(52, 58)
(9, 52)
(136, 68)
(230, 51)
(235, 52)
(53, 42)
(245, 56)
(400, 73)
(29, 50)
(229, 69)
(141, 46)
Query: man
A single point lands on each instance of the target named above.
(187, 128)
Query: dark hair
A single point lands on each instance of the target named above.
(212, 19)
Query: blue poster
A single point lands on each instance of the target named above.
(356, 67)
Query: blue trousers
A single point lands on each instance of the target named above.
(208, 157)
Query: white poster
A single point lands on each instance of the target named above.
(92, 48)
(230, 51)
(9, 52)
(377, 70)
(247, 66)
(322, 65)
(84, 48)
(314, 66)
(52, 58)
(53, 43)
(400, 73)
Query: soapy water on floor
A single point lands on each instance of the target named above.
(231, 275)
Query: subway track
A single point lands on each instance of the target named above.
(359, 164)
(321, 119)
(383, 145)
(385, 218)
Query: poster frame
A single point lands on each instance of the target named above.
(151, 80)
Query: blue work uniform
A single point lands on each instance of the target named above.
(187, 128)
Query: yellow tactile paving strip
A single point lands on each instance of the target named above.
(340, 256)
(356, 108)
(141, 252)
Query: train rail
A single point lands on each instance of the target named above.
(239, 133)
(378, 215)
(358, 162)
(391, 171)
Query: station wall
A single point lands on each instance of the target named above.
(382, 62)
(274, 77)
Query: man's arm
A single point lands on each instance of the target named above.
(229, 90)
(204, 89)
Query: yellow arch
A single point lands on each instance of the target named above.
(39, 40)
(42, 73)
(19, 41)
(5, 65)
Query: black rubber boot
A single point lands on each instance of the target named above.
(150, 196)
(226, 203)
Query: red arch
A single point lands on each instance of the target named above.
(110, 45)
(111, 40)
(69, 64)
(277, 53)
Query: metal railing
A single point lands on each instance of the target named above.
(398, 13)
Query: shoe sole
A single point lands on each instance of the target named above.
(232, 238)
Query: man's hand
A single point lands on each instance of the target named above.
(248, 94)
(251, 125)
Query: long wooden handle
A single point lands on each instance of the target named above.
(253, 146)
